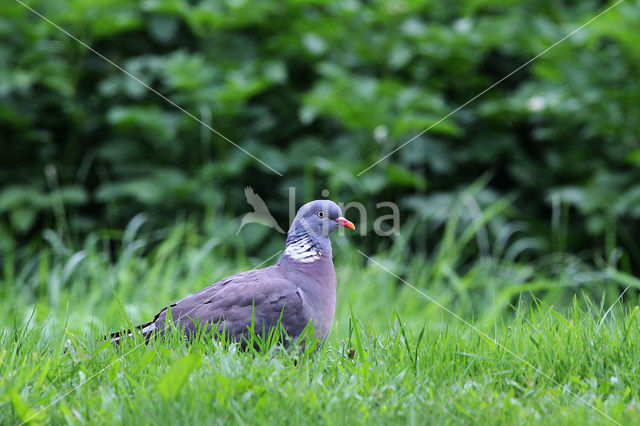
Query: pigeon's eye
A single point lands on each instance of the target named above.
(320, 214)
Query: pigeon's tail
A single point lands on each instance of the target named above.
(145, 329)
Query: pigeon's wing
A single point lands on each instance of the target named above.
(255, 201)
(233, 304)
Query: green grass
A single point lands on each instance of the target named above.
(392, 357)
(449, 375)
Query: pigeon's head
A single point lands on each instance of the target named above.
(318, 219)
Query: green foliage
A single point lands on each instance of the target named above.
(494, 200)
(320, 91)
(392, 355)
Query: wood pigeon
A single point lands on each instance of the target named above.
(299, 289)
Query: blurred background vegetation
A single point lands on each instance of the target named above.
(547, 162)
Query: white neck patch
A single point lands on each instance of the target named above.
(302, 250)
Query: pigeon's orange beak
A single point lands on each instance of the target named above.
(344, 222)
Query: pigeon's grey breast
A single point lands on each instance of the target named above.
(317, 283)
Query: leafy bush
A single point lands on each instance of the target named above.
(320, 90)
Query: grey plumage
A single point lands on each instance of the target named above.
(299, 289)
